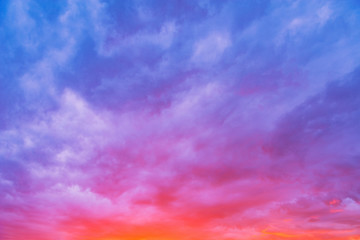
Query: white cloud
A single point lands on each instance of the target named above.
(209, 49)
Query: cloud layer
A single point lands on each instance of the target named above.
(182, 120)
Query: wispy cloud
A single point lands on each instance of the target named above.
(179, 120)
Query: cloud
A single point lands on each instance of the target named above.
(185, 120)
(207, 50)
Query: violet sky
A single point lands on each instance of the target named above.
(179, 120)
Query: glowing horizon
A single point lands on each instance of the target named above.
(179, 120)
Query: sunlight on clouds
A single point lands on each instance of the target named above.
(179, 120)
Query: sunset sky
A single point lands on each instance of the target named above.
(179, 120)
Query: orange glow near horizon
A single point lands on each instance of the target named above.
(179, 120)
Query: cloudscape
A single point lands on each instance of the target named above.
(179, 120)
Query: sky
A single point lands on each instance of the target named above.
(179, 120)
